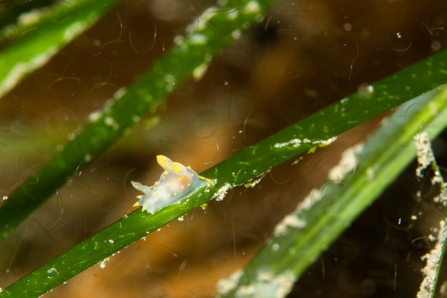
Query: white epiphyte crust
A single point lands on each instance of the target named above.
(175, 183)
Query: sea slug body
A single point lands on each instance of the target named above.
(175, 184)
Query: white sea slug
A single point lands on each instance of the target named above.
(176, 183)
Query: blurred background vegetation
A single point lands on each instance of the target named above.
(303, 57)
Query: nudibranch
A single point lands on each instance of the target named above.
(176, 183)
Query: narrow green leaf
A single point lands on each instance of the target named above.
(302, 236)
(41, 33)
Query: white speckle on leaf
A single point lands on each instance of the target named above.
(252, 7)
(169, 78)
(178, 40)
(245, 291)
(280, 145)
(87, 158)
(183, 48)
(102, 264)
(265, 284)
(221, 193)
(199, 71)
(236, 34)
(294, 142)
(347, 163)
(226, 285)
(109, 121)
(94, 116)
(233, 14)
(30, 17)
(253, 182)
(170, 82)
(284, 283)
(75, 29)
(289, 222)
(365, 91)
(200, 23)
(198, 38)
(314, 196)
(264, 275)
(51, 270)
(324, 143)
(71, 136)
(119, 93)
(136, 119)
